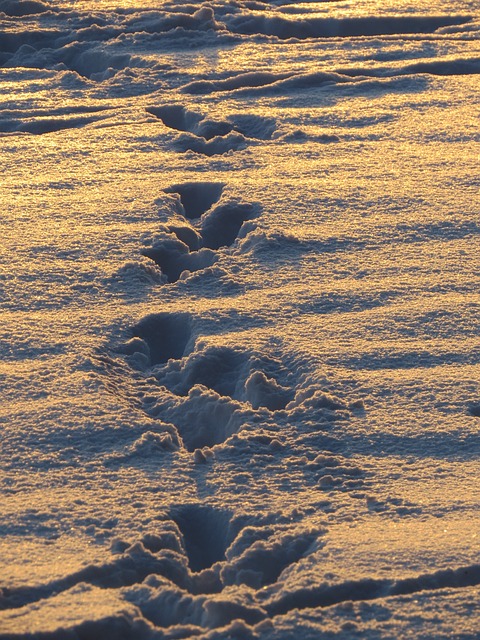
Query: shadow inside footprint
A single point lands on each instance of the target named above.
(253, 126)
(218, 368)
(220, 227)
(197, 197)
(169, 255)
(180, 118)
(205, 531)
(183, 247)
(166, 335)
(176, 117)
(270, 552)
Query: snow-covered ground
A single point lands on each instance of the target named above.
(240, 319)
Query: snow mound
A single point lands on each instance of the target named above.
(267, 552)
(221, 226)
(219, 145)
(211, 137)
(203, 418)
(240, 81)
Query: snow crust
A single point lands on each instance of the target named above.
(240, 319)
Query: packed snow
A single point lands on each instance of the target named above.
(240, 338)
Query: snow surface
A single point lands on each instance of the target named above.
(240, 319)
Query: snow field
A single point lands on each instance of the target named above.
(240, 328)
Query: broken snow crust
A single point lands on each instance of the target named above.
(240, 331)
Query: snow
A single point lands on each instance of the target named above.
(240, 319)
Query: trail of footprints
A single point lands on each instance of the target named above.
(206, 394)
(207, 391)
(177, 575)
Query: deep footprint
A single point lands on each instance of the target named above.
(204, 418)
(189, 247)
(202, 129)
(219, 369)
(206, 533)
(232, 373)
(269, 553)
(176, 117)
(166, 335)
(197, 197)
(221, 226)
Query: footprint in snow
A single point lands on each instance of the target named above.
(206, 392)
(202, 226)
(210, 137)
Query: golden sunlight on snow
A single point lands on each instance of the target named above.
(240, 335)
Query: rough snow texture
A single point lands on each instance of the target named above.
(240, 330)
